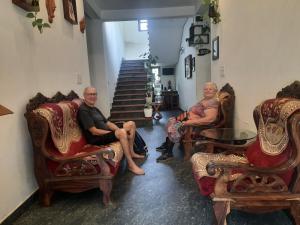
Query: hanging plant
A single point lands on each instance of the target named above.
(37, 22)
(213, 10)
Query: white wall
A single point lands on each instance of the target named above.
(106, 49)
(259, 49)
(32, 62)
(97, 63)
(190, 90)
(114, 52)
(136, 42)
(134, 50)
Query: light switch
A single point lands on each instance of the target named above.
(222, 71)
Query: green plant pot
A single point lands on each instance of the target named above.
(212, 12)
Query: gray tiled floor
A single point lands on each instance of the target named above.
(166, 195)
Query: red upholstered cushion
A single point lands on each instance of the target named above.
(259, 159)
(206, 184)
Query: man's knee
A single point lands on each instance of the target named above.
(129, 125)
(121, 133)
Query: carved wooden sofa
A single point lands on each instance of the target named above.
(264, 177)
(226, 98)
(63, 161)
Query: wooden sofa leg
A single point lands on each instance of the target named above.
(295, 209)
(45, 196)
(106, 187)
(221, 209)
(187, 150)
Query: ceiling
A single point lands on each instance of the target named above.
(141, 4)
(166, 20)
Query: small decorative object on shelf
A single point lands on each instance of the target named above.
(28, 5)
(51, 6)
(82, 25)
(203, 51)
(4, 111)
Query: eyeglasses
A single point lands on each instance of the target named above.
(91, 94)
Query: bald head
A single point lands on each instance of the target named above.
(90, 96)
(89, 89)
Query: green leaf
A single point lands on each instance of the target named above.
(30, 15)
(46, 25)
(40, 21)
(34, 23)
(40, 28)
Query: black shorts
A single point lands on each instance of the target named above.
(105, 139)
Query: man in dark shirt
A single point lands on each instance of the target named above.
(99, 131)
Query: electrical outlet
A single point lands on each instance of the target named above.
(79, 78)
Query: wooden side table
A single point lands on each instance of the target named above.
(225, 138)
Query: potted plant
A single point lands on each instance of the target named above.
(213, 10)
(148, 109)
(150, 59)
(148, 97)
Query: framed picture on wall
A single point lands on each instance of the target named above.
(215, 48)
(188, 66)
(193, 64)
(28, 5)
(70, 11)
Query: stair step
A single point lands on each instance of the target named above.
(129, 101)
(126, 111)
(142, 84)
(128, 107)
(130, 87)
(141, 79)
(126, 114)
(139, 121)
(134, 61)
(136, 75)
(132, 67)
(129, 96)
(131, 91)
(131, 82)
(126, 72)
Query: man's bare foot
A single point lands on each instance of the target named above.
(136, 170)
(137, 156)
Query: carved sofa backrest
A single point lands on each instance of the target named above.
(52, 123)
(226, 98)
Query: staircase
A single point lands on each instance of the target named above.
(130, 93)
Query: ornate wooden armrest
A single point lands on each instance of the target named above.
(225, 168)
(228, 148)
(101, 152)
